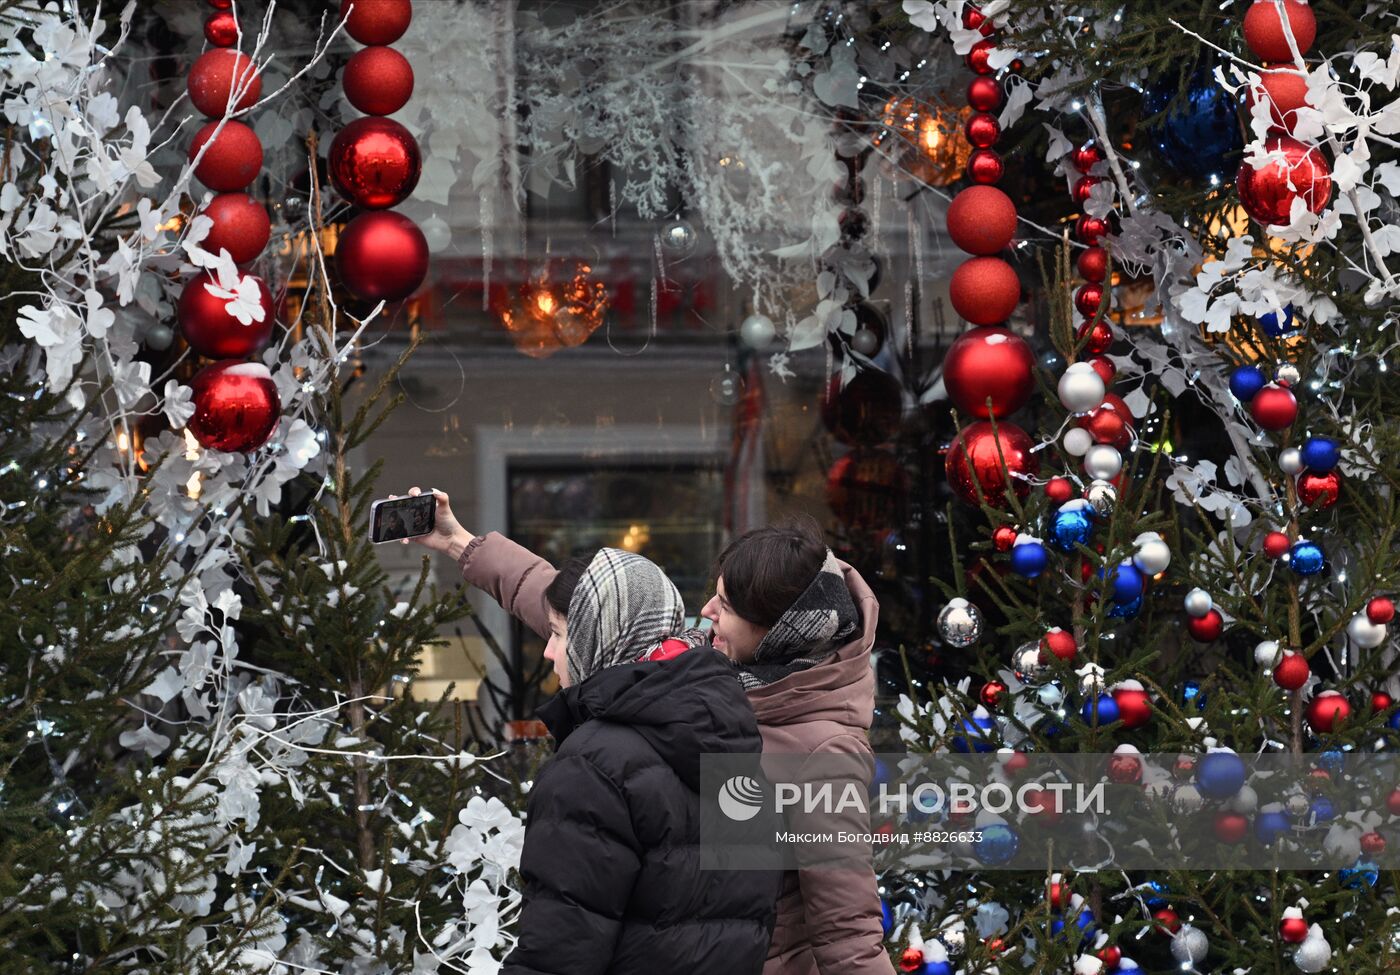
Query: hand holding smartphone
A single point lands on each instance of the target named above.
(394, 519)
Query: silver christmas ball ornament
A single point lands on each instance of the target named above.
(1190, 945)
(1290, 460)
(1028, 664)
(1313, 955)
(1078, 441)
(960, 623)
(159, 336)
(1266, 653)
(1103, 462)
(679, 238)
(1198, 602)
(866, 341)
(1102, 496)
(1362, 632)
(1153, 554)
(1287, 374)
(757, 331)
(1081, 388)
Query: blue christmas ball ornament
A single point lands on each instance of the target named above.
(1126, 965)
(1364, 873)
(1191, 694)
(978, 731)
(1083, 922)
(1269, 826)
(886, 916)
(1306, 557)
(997, 845)
(1106, 707)
(1072, 524)
(1125, 580)
(1321, 453)
(1200, 135)
(1125, 610)
(1321, 809)
(937, 968)
(1219, 775)
(1277, 326)
(1332, 760)
(1029, 559)
(1394, 721)
(1245, 381)
(1155, 893)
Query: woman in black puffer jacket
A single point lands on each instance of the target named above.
(612, 867)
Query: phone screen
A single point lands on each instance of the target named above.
(395, 518)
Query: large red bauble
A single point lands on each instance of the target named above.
(233, 159)
(1096, 334)
(214, 77)
(1380, 610)
(378, 80)
(1276, 545)
(376, 21)
(984, 94)
(867, 411)
(1274, 407)
(1231, 827)
(976, 456)
(1060, 643)
(1326, 709)
(1104, 366)
(982, 220)
(1086, 157)
(866, 489)
(1320, 489)
(989, 362)
(978, 59)
(1293, 930)
(984, 166)
(1134, 706)
(1292, 671)
(241, 226)
(1090, 229)
(985, 290)
(1092, 264)
(221, 29)
(983, 130)
(1084, 188)
(374, 163)
(1267, 194)
(1264, 31)
(1111, 422)
(382, 255)
(1287, 90)
(1206, 628)
(1088, 298)
(210, 329)
(236, 407)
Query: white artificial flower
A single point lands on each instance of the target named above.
(178, 403)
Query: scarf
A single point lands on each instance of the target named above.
(623, 606)
(816, 625)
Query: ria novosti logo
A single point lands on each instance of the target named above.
(741, 798)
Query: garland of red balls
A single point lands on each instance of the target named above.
(236, 406)
(988, 369)
(374, 162)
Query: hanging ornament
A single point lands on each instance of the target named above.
(215, 76)
(241, 227)
(382, 255)
(866, 488)
(1190, 945)
(1265, 34)
(1314, 954)
(678, 238)
(1003, 538)
(1088, 298)
(1077, 441)
(1103, 462)
(988, 362)
(1292, 671)
(1072, 525)
(1287, 374)
(1207, 628)
(1246, 381)
(1274, 407)
(985, 290)
(1276, 545)
(1380, 610)
(1081, 388)
(1029, 558)
(866, 411)
(1197, 603)
(726, 389)
(1277, 326)
(977, 733)
(1096, 336)
(1297, 171)
(1290, 460)
(378, 80)
(1125, 584)
(1092, 264)
(1365, 633)
(158, 336)
(221, 29)
(1266, 653)
(374, 163)
(1059, 642)
(1326, 710)
(1220, 774)
(1153, 554)
(1110, 423)
(981, 220)
(1292, 929)
(960, 623)
(985, 167)
(1319, 490)
(1199, 137)
(233, 159)
(1320, 453)
(757, 331)
(209, 326)
(931, 146)
(985, 94)
(1059, 490)
(1102, 497)
(376, 21)
(976, 458)
(992, 693)
(236, 407)
(1306, 558)
(1134, 704)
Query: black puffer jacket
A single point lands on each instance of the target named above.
(611, 862)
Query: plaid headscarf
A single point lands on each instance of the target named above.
(623, 606)
(814, 627)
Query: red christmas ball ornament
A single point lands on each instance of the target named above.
(1004, 538)
(1125, 769)
(911, 960)
(374, 163)
(1092, 264)
(1287, 91)
(1084, 187)
(1320, 489)
(1326, 710)
(376, 21)
(1274, 407)
(991, 693)
(1381, 701)
(1059, 642)
(866, 411)
(1372, 844)
(985, 290)
(1380, 610)
(1096, 334)
(1090, 230)
(241, 226)
(984, 94)
(1058, 895)
(1104, 366)
(1292, 671)
(1111, 422)
(233, 159)
(1206, 628)
(236, 407)
(1168, 921)
(1110, 956)
(979, 58)
(378, 80)
(1015, 762)
(209, 327)
(1267, 194)
(1059, 490)
(983, 130)
(1231, 827)
(974, 19)
(982, 220)
(976, 457)
(984, 166)
(1293, 930)
(1392, 802)
(1086, 158)
(382, 256)
(1276, 545)
(1265, 34)
(1087, 299)
(865, 489)
(221, 29)
(1134, 706)
(216, 75)
(221, 4)
(989, 363)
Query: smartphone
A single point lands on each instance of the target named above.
(392, 519)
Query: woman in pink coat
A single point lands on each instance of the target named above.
(798, 625)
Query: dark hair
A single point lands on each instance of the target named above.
(558, 593)
(765, 570)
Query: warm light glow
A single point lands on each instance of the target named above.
(560, 306)
(934, 150)
(191, 445)
(123, 442)
(635, 538)
(193, 485)
(545, 302)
